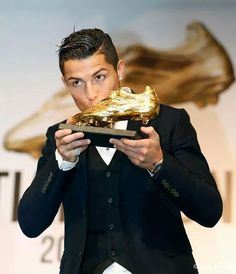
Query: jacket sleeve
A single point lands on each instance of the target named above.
(41, 201)
(186, 177)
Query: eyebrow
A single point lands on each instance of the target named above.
(74, 78)
(78, 78)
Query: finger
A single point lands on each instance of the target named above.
(71, 153)
(79, 143)
(150, 131)
(62, 132)
(121, 144)
(117, 144)
(127, 142)
(79, 150)
(134, 143)
(135, 161)
(132, 152)
(67, 137)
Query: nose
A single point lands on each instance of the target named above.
(91, 92)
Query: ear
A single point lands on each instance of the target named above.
(120, 69)
(64, 81)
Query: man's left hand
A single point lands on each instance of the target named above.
(144, 152)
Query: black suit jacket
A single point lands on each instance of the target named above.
(150, 208)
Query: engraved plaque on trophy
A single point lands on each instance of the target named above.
(100, 136)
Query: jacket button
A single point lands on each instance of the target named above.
(176, 194)
(163, 182)
(110, 200)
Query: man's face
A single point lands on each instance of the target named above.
(90, 80)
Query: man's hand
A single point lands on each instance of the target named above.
(67, 143)
(143, 153)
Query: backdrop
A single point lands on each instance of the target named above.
(32, 98)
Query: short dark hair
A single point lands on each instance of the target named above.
(84, 43)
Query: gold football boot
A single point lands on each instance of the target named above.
(120, 105)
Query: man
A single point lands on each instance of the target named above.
(122, 205)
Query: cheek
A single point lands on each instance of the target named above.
(79, 101)
(106, 91)
(102, 95)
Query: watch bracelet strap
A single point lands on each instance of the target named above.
(156, 167)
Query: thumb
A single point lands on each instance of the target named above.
(150, 131)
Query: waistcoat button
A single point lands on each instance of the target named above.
(113, 253)
(111, 226)
(108, 174)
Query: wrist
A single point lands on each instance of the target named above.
(63, 164)
(156, 167)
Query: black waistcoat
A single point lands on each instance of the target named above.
(105, 240)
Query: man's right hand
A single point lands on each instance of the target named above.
(67, 143)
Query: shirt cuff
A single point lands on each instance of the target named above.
(65, 165)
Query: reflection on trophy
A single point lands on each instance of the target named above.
(97, 122)
(120, 105)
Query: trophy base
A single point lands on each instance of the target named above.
(100, 136)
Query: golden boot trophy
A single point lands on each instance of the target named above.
(98, 121)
